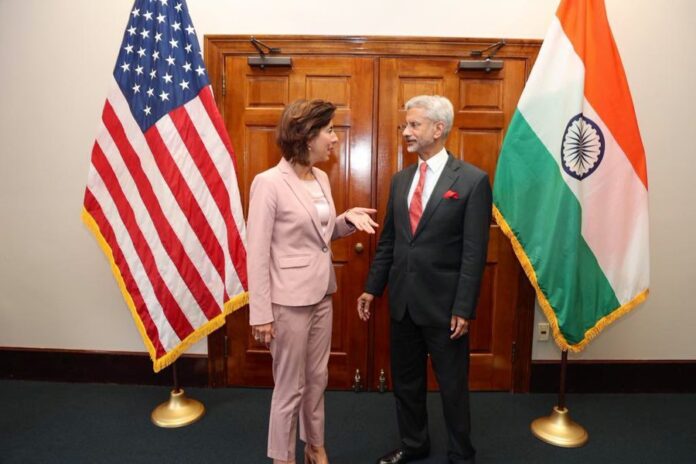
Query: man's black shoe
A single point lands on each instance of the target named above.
(400, 455)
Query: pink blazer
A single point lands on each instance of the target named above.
(288, 257)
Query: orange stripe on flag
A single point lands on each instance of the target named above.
(606, 88)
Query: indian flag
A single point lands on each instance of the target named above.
(571, 186)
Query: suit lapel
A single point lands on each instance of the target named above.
(401, 199)
(301, 193)
(326, 189)
(447, 177)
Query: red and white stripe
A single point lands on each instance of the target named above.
(167, 204)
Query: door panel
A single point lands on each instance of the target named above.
(483, 104)
(256, 98)
(370, 78)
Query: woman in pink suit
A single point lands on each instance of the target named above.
(291, 223)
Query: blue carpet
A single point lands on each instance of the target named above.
(42, 422)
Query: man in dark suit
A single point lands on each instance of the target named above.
(431, 253)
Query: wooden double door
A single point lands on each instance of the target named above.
(369, 90)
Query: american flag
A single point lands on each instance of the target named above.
(162, 197)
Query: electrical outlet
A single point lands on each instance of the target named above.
(543, 330)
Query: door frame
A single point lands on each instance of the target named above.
(218, 47)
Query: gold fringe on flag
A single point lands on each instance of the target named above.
(550, 314)
(218, 321)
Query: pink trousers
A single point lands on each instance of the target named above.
(300, 353)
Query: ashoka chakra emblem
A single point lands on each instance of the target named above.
(583, 147)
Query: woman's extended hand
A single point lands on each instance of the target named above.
(359, 217)
(263, 333)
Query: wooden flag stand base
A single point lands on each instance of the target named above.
(558, 429)
(179, 411)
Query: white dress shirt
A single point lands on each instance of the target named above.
(435, 166)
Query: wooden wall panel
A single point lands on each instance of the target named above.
(371, 150)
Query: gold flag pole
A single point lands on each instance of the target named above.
(558, 429)
(179, 410)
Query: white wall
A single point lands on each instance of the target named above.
(56, 56)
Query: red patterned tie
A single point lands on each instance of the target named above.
(416, 209)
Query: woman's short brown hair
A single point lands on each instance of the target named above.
(300, 122)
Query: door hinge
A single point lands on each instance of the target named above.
(382, 387)
(514, 351)
(224, 84)
(357, 382)
(224, 351)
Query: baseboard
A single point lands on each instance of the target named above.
(192, 370)
(98, 367)
(615, 377)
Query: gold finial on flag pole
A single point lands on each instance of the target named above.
(180, 410)
(558, 428)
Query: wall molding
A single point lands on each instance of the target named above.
(624, 376)
(98, 367)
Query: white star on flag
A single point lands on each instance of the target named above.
(172, 228)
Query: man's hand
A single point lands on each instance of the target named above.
(364, 302)
(458, 326)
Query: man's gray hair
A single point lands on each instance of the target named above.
(437, 109)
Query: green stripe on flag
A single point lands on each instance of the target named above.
(545, 216)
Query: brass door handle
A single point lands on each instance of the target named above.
(359, 247)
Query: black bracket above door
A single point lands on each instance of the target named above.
(263, 60)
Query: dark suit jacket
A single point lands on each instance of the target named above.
(437, 271)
